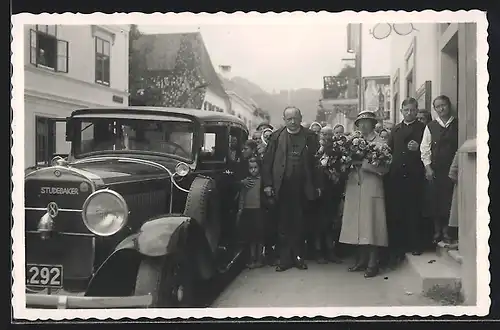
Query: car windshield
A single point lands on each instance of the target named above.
(101, 135)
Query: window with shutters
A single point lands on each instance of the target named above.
(46, 51)
(102, 61)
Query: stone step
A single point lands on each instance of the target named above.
(449, 252)
(436, 274)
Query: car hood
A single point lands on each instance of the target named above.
(115, 170)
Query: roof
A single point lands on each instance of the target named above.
(196, 113)
(160, 52)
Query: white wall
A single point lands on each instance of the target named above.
(244, 111)
(376, 54)
(215, 99)
(81, 64)
(427, 57)
(56, 94)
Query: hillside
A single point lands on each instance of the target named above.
(274, 103)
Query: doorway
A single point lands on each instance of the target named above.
(449, 71)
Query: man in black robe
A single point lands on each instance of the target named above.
(290, 175)
(405, 183)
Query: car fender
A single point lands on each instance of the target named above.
(157, 237)
(172, 233)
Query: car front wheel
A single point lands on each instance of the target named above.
(168, 280)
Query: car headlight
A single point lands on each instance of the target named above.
(105, 212)
(182, 169)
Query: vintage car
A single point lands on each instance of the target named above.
(140, 212)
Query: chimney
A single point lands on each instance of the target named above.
(225, 71)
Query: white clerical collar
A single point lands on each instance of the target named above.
(290, 132)
(409, 123)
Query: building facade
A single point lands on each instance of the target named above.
(68, 67)
(245, 110)
(435, 59)
(216, 102)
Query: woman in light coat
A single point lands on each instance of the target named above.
(364, 218)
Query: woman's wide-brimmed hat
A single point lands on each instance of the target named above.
(366, 115)
(265, 125)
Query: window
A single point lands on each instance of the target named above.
(46, 50)
(215, 144)
(102, 63)
(395, 98)
(410, 62)
(410, 85)
(106, 135)
(50, 139)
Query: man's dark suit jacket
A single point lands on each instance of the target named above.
(275, 157)
(406, 163)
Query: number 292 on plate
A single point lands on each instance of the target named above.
(46, 276)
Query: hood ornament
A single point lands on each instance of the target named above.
(46, 224)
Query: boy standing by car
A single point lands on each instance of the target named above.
(250, 216)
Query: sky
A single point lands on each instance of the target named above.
(275, 57)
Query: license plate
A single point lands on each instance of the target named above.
(44, 276)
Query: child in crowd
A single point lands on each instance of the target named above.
(249, 150)
(250, 218)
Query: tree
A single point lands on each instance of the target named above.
(348, 71)
(183, 86)
(139, 91)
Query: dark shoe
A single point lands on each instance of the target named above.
(282, 268)
(447, 240)
(301, 265)
(371, 272)
(334, 259)
(357, 268)
(436, 239)
(416, 252)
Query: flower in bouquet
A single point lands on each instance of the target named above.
(356, 148)
(379, 154)
(331, 157)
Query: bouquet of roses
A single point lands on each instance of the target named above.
(379, 155)
(330, 156)
(356, 149)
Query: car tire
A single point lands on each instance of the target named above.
(202, 205)
(168, 280)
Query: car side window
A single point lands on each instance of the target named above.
(214, 147)
(236, 139)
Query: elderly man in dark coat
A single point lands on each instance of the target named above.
(290, 174)
(405, 182)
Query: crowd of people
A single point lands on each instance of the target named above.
(292, 209)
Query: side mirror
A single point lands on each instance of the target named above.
(69, 129)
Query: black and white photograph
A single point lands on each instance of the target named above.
(247, 164)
